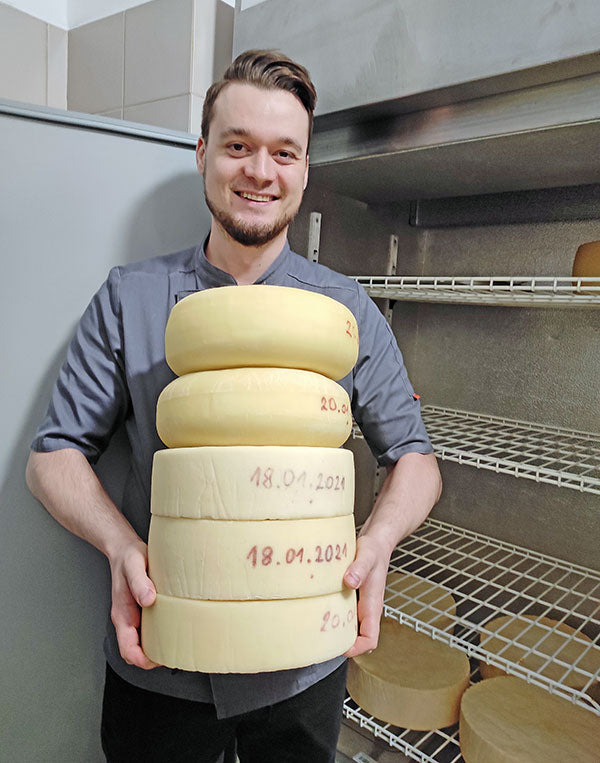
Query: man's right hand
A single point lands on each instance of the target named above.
(131, 590)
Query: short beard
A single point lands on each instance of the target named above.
(248, 235)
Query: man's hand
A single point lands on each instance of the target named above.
(412, 487)
(368, 573)
(131, 589)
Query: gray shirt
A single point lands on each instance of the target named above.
(114, 372)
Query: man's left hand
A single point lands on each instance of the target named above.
(368, 573)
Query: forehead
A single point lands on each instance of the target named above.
(266, 114)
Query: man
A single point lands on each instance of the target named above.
(253, 156)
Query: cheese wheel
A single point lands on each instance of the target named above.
(258, 325)
(221, 559)
(420, 598)
(534, 632)
(248, 636)
(507, 720)
(410, 680)
(252, 482)
(253, 406)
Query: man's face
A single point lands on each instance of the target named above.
(255, 162)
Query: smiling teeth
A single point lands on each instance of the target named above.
(254, 197)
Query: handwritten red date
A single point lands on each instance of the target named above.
(331, 404)
(330, 622)
(322, 554)
(269, 478)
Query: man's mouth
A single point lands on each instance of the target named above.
(255, 196)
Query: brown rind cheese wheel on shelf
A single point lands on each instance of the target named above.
(507, 720)
(550, 639)
(249, 482)
(248, 636)
(237, 560)
(422, 599)
(260, 325)
(253, 406)
(410, 679)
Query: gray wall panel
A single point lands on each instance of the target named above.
(74, 203)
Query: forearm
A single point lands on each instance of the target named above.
(411, 489)
(66, 485)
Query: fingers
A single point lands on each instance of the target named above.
(370, 569)
(131, 588)
(126, 619)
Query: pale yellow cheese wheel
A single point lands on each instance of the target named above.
(507, 720)
(253, 406)
(410, 680)
(269, 559)
(420, 598)
(259, 325)
(248, 636)
(530, 631)
(253, 482)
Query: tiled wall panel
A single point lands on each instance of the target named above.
(23, 56)
(158, 44)
(96, 65)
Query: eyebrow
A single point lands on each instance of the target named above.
(232, 132)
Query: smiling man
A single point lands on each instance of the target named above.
(253, 156)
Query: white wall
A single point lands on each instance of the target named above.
(68, 14)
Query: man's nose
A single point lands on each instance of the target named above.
(260, 167)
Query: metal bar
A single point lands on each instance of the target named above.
(93, 122)
(314, 236)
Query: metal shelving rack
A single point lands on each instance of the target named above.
(439, 746)
(489, 578)
(560, 457)
(508, 291)
(486, 577)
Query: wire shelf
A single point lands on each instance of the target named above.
(489, 578)
(439, 746)
(560, 457)
(509, 291)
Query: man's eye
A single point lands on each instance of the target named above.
(286, 156)
(236, 147)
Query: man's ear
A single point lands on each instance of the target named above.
(200, 155)
(305, 174)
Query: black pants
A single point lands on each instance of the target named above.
(140, 725)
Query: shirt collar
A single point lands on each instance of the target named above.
(211, 276)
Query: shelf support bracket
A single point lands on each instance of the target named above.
(314, 237)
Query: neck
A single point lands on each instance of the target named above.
(245, 263)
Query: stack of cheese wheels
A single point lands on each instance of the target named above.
(507, 720)
(412, 680)
(252, 526)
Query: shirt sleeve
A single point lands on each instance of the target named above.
(90, 398)
(384, 405)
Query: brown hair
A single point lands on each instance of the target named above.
(268, 69)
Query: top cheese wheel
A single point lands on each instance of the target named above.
(258, 325)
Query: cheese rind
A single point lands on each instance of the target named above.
(253, 482)
(248, 636)
(553, 649)
(506, 720)
(410, 679)
(420, 598)
(220, 559)
(260, 325)
(253, 406)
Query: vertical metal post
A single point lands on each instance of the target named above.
(388, 310)
(314, 236)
